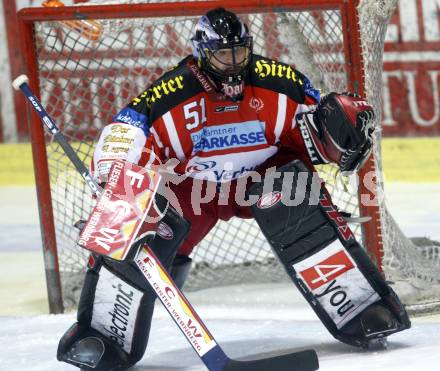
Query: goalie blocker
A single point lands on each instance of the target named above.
(324, 260)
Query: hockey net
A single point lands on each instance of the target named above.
(88, 69)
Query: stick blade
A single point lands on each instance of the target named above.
(306, 360)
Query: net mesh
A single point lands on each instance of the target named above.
(87, 71)
(411, 265)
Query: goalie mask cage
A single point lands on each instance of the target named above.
(87, 62)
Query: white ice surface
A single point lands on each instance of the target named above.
(263, 321)
(248, 321)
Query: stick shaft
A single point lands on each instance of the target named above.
(61, 139)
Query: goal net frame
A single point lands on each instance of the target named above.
(371, 231)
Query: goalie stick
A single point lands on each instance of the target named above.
(207, 348)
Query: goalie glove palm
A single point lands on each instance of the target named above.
(340, 130)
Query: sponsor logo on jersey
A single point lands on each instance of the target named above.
(207, 85)
(160, 90)
(310, 90)
(222, 109)
(232, 90)
(227, 175)
(214, 138)
(265, 68)
(256, 103)
(199, 166)
(119, 139)
(165, 231)
(215, 173)
(269, 200)
(336, 282)
(116, 135)
(132, 117)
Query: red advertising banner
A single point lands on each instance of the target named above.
(411, 102)
(87, 98)
(411, 70)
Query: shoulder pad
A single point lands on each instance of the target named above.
(282, 78)
(168, 91)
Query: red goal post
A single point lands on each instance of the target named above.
(41, 27)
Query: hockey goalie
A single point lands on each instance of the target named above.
(237, 134)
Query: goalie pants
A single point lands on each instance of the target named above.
(205, 215)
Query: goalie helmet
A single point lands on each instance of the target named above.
(223, 48)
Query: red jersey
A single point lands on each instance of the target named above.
(181, 116)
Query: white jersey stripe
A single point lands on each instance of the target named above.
(300, 109)
(281, 116)
(156, 137)
(151, 157)
(172, 134)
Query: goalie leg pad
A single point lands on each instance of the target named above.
(85, 347)
(117, 303)
(323, 259)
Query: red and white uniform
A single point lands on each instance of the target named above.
(181, 117)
